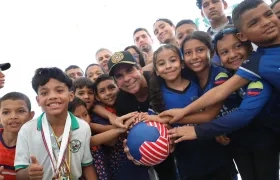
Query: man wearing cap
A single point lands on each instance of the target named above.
(134, 96)
(3, 67)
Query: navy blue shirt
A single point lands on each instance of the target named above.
(265, 64)
(194, 158)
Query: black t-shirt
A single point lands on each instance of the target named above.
(127, 103)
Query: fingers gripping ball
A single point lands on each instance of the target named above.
(148, 143)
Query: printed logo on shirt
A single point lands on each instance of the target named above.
(254, 88)
(75, 145)
(221, 78)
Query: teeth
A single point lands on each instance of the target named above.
(53, 104)
(196, 64)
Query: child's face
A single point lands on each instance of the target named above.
(213, 10)
(94, 72)
(53, 97)
(86, 94)
(183, 31)
(260, 26)
(168, 65)
(196, 55)
(231, 51)
(14, 113)
(82, 113)
(276, 10)
(163, 31)
(107, 92)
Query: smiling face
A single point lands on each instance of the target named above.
(260, 26)
(107, 92)
(232, 51)
(53, 97)
(128, 78)
(14, 113)
(164, 32)
(168, 65)
(196, 55)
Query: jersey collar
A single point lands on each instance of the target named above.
(74, 122)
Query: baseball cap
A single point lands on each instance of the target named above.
(122, 57)
(5, 66)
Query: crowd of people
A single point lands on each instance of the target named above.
(216, 91)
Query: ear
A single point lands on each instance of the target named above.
(71, 96)
(31, 115)
(225, 4)
(241, 37)
(37, 99)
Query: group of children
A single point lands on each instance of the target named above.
(219, 116)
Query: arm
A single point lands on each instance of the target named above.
(216, 94)
(102, 112)
(109, 137)
(148, 67)
(89, 173)
(249, 108)
(98, 128)
(202, 116)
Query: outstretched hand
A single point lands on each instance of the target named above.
(183, 133)
(128, 155)
(174, 114)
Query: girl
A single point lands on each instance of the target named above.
(169, 89)
(253, 145)
(137, 54)
(93, 71)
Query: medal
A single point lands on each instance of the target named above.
(57, 162)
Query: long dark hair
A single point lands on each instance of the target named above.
(141, 56)
(156, 97)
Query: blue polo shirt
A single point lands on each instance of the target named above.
(263, 64)
(194, 158)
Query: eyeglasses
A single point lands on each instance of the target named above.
(223, 32)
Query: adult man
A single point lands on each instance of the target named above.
(133, 96)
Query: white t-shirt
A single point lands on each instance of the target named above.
(30, 143)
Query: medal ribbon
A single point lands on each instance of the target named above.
(48, 144)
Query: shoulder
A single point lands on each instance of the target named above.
(82, 124)
(220, 75)
(30, 125)
(257, 87)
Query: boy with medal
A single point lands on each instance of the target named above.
(56, 144)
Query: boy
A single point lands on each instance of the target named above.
(83, 89)
(15, 110)
(56, 144)
(183, 28)
(214, 12)
(256, 22)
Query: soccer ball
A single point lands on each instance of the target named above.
(148, 143)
